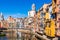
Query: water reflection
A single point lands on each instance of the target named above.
(3, 38)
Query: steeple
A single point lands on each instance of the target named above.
(33, 6)
(32, 12)
(1, 16)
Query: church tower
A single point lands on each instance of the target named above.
(33, 7)
(1, 16)
(33, 11)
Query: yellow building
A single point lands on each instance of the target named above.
(47, 15)
(50, 28)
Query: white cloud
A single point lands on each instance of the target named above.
(19, 15)
(16, 15)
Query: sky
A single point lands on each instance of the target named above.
(19, 8)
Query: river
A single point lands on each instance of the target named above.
(3, 38)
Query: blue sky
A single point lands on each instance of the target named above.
(19, 8)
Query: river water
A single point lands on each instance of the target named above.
(3, 38)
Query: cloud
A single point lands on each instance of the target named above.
(15, 15)
(18, 15)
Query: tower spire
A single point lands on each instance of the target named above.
(33, 6)
(1, 16)
(1, 13)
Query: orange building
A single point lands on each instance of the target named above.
(4, 24)
(0, 24)
(56, 5)
(57, 2)
(10, 19)
(57, 11)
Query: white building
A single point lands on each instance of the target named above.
(19, 23)
(32, 12)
